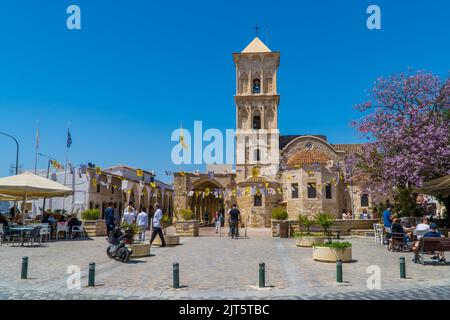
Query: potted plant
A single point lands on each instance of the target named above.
(140, 249)
(325, 221)
(305, 238)
(279, 217)
(332, 252)
(187, 225)
(93, 226)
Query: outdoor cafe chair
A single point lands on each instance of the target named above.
(79, 229)
(378, 233)
(45, 232)
(61, 227)
(32, 236)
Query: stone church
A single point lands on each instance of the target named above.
(301, 173)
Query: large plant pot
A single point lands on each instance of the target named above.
(140, 250)
(189, 228)
(95, 228)
(310, 241)
(326, 254)
(171, 240)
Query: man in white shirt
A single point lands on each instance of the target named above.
(157, 227)
(423, 227)
(129, 214)
(142, 223)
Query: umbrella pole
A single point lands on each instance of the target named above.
(23, 207)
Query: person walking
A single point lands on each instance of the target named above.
(234, 214)
(157, 226)
(217, 221)
(129, 214)
(142, 223)
(110, 219)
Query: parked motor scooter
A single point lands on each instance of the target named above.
(120, 244)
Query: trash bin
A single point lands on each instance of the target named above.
(284, 229)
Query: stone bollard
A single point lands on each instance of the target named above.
(91, 277)
(339, 271)
(402, 268)
(176, 275)
(24, 273)
(262, 275)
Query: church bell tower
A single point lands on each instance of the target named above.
(257, 100)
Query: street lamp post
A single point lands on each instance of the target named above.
(17, 150)
(17, 165)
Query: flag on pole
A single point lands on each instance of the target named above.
(69, 139)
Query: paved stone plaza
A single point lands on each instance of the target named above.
(216, 267)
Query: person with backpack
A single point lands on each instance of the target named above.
(234, 218)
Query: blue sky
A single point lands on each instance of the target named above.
(137, 68)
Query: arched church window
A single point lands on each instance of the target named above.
(256, 86)
(256, 122)
(268, 88)
(243, 84)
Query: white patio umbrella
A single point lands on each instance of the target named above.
(30, 186)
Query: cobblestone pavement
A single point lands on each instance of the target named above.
(215, 267)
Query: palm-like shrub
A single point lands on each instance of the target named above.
(306, 223)
(325, 221)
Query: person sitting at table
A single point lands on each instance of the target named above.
(424, 226)
(432, 233)
(17, 219)
(397, 228)
(364, 215)
(72, 222)
(4, 221)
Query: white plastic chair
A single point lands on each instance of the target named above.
(378, 231)
(79, 229)
(61, 227)
(45, 231)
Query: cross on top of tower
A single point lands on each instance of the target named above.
(256, 30)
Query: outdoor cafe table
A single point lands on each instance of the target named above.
(22, 230)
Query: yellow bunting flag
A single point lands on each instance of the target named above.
(182, 173)
(247, 190)
(206, 192)
(153, 185)
(94, 182)
(139, 173)
(98, 170)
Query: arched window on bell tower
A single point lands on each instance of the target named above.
(256, 123)
(243, 83)
(256, 86)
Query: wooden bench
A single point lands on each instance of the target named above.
(431, 246)
(336, 231)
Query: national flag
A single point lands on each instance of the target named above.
(182, 141)
(69, 139)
